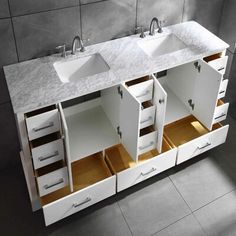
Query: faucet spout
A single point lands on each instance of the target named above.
(75, 44)
(152, 26)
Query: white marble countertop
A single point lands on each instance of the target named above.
(34, 84)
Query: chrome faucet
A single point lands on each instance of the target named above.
(75, 45)
(152, 28)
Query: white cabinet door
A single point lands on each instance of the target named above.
(130, 110)
(207, 85)
(160, 101)
(67, 147)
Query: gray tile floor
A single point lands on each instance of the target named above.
(196, 198)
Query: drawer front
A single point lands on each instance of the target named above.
(147, 117)
(221, 113)
(147, 142)
(202, 144)
(77, 201)
(223, 88)
(48, 153)
(43, 124)
(158, 164)
(142, 91)
(52, 181)
(219, 64)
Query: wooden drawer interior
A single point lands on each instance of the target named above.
(44, 140)
(146, 130)
(118, 158)
(219, 103)
(137, 81)
(185, 130)
(85, 172)
(40, 111)
(213, 57)
(49, 168)
(146, 104)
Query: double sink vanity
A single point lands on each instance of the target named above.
(159, 105)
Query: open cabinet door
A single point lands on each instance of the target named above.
(206, 90)
(129, 121)
(67, 147)
(160, 101)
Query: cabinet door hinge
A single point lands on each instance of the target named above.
(191, 104)
(197, 66)
(119, 132)
(120, 92)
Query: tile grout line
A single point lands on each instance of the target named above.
(171, 224)
(13, 31)
(124, 217)
(183, 10)
(44, 11)
(199, 223)
(214, 200)
(180, 194)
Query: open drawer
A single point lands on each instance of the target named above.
(150, 163)
(218, 62)
(141, 88)
(92, 182)
(51, 178)
(192, 138)
(147, 140)
(42, 122)
(47, 150)
(147, 114)
(220, 111)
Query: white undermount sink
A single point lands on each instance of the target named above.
(81, 67)
(162, 45)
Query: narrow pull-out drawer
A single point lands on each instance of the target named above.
(48, 153)
(42, 124)
(219, 64)
(147, 142)
(221, 112)
(142, 91)
(223, 88)
(202, 144)
(52, 181)
(139, 173)
(77, 201)
(147, 116)
(129, 172)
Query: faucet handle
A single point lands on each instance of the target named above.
(63, 47)
(161, 22)
(142, 35)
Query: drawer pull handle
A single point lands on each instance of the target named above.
(143, 94)
(52, 185)
(220, 116)
(144, 147)
(207, 145)
(222, 68)
(56, 153)
(148, 119)
(44, 127)
(223, 91)
(161, 101)
(88, 199)
(149, 172)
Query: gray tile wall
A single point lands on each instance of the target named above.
(30, 29)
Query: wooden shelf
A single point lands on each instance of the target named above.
(118, 158)
(85, 172)
(185, 130)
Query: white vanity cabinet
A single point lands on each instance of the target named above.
(77, 155)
